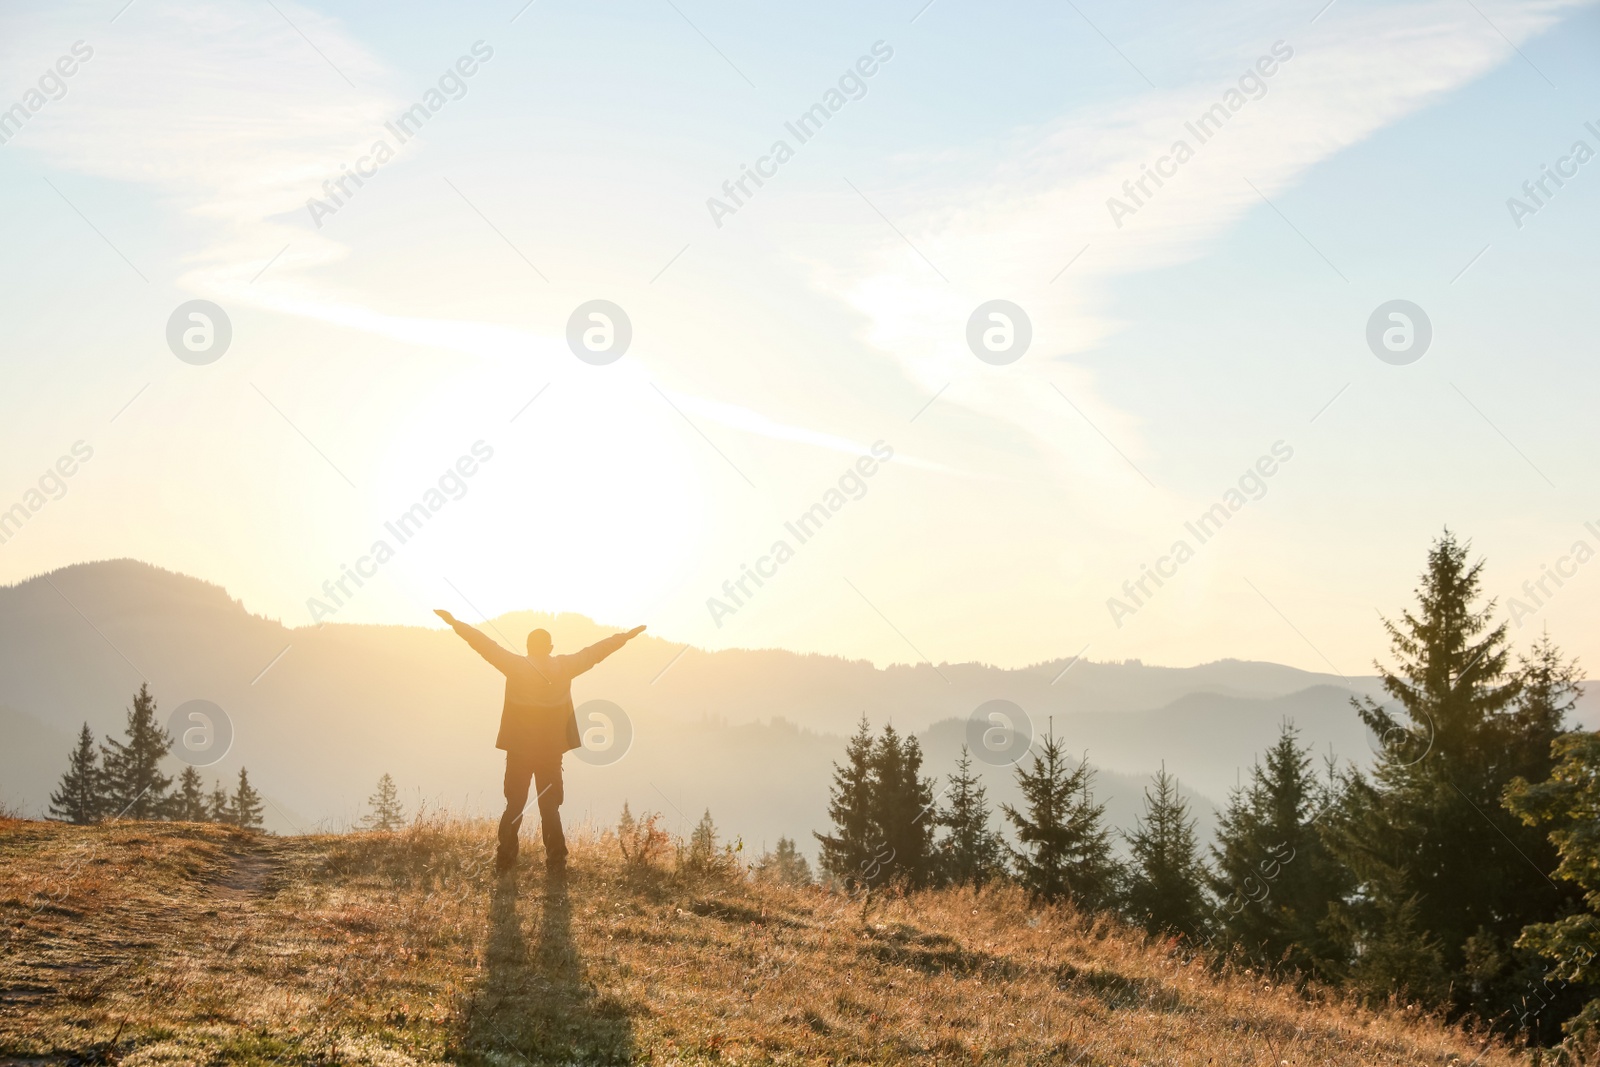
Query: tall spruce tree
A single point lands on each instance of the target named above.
(902, 808)
(1065, 848)
(1273, 877)
(244, 806)
(1444, 877)
(189, 802)
(134, 786)
(882, 812)
(79, 798)
(386, 813)
(1165, 882)
(848, 854)
(970, 852)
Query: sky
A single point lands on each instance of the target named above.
(406, 345)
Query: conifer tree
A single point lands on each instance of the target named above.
(134, 786)
(78, 799)
(626, 823)
(387, 814)
(902, 808)
(1444, 877)
(1567, 805)
(703, 856)
(1398, 951)
(189, 803)
(882, 812)
(848, 853)
(970, 852)
(217, 805)
(1549, 686)
(641, 839)
(245, 807)
(1273, 877)
(1165, 877)
(1065, 849)
(785, 865)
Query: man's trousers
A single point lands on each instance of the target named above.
(543, 772)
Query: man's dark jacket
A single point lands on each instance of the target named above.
(538, 717)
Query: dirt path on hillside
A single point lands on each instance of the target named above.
(248, 877)
(99, 911)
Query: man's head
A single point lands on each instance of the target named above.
(539, 643)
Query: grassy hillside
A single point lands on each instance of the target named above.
(169, 944)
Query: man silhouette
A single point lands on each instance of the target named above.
(537, 727)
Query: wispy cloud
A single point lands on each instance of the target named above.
(741, 418)
(1009, 234)
(230, 112)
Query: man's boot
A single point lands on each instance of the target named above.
(505, 856)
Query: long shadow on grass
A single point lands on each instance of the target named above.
(534, 1003)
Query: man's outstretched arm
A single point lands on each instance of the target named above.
(598, 651)
(498, 656)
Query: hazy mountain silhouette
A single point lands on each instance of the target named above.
(320, 713)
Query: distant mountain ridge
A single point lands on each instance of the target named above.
(320, 712)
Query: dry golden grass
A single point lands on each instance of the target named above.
(176, 944)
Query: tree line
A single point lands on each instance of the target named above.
(1460, 871)
(123, 780)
